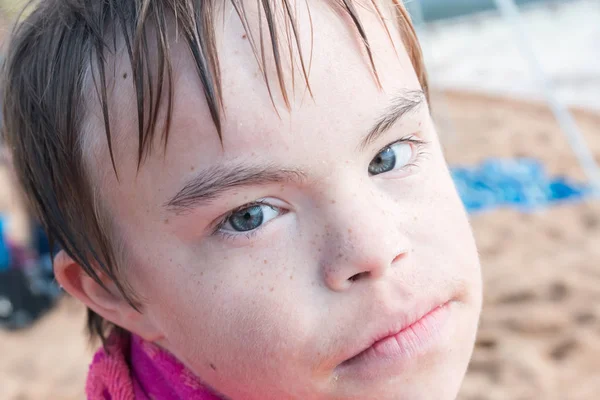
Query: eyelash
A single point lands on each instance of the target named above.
(419, 148)
(231, 236)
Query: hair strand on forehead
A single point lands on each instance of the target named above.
(272, 26)
(294, 28)
(349, 6)
(384, 24)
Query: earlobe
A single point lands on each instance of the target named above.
(109, 304)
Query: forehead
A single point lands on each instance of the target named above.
(256, 122)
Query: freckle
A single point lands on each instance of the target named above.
(349, 230)
(332, 201)
(201, 273)
(266, 262)
(192, 168)
(124, 75)
(216, 287)
(291, 277)
(244, 36)
(170, 260)
(261, 274)
(167, 221)
(213, 366)
(272, 288)
(319, 249)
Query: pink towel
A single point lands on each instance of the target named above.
(131, 368)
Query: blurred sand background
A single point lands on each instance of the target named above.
(540, 328)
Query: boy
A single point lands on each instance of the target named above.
(253, 190)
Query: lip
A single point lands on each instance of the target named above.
(399, 343)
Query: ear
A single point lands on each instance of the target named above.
(109, 304)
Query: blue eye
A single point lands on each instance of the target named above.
(249, 218)
(392, 157)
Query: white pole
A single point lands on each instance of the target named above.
(566, 121)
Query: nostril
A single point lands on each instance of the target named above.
(358, 276)
(398, 257)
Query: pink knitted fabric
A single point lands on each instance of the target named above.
(131, 368)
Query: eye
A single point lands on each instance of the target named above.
(394, 156)
(249, 218)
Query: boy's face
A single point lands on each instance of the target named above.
(302, 240)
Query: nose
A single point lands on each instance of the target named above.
(363, 243)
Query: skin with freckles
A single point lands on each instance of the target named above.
(339, 215)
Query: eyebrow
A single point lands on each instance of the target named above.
(402, 104)
(209, 184)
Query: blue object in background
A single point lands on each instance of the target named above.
(4, 249)
(518, 183)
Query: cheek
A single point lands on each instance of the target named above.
(442, 236)
(235, 313)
